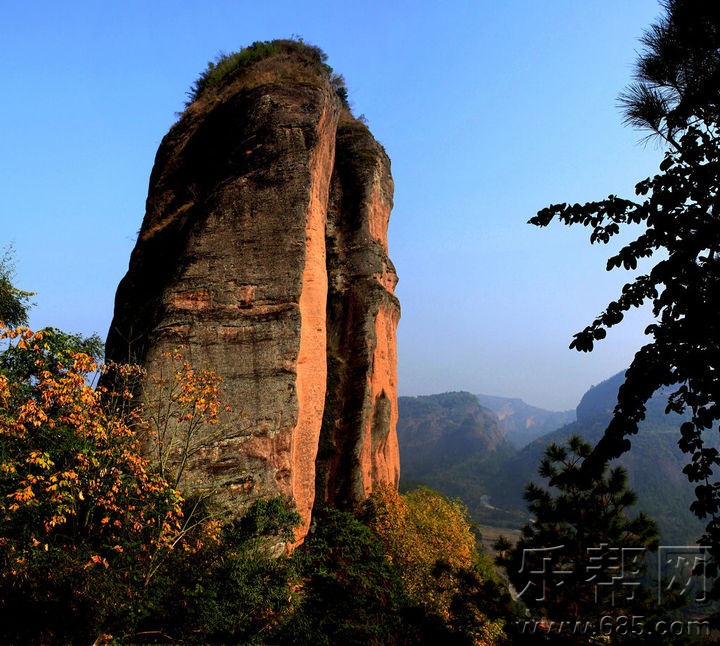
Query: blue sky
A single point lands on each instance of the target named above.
(489, 111)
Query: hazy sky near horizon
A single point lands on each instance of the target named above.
(488, 110)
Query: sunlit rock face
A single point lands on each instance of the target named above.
(263, 256)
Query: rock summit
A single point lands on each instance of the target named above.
(263, 256)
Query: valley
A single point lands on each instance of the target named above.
(484, 450)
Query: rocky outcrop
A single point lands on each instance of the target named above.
(263, 254)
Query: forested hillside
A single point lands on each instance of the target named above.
(654, 464)
(490, 474)
(450, 443)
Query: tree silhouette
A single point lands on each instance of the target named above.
(582, 556)
(676, 97)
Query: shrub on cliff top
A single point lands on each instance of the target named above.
(225, 64)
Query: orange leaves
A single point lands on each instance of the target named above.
(194, 390)
(21, 496)
(4, 391)
(71, 469)
(196, 393)
(180, 406)
(20, 333)
(97, 560)
(74, 485)
(24, 338)
(31, 414)
(82, 365)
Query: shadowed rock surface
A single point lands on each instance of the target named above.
(263, 255)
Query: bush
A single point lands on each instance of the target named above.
(432, 544)
(349, 593)
(84, 520)
(232, 588)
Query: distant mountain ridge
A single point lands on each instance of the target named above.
(490, 475)
(523, 423)
(451, 443)
(450, 424)
(654, 464)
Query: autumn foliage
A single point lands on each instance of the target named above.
(430, 540)
(81, 511)
(181, 406)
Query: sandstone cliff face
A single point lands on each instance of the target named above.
(359, 444)
(263, 254)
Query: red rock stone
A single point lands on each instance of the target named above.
(263, 254)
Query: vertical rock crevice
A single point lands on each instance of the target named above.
(362, 317)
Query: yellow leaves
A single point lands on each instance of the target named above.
(54, 521)
(419, 530)
(444, 524)
(213, 529)
(40, 459)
